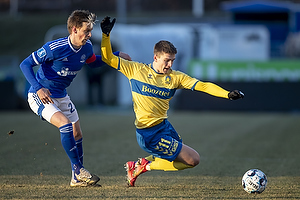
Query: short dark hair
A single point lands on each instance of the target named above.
(164, 46)
(77, 17)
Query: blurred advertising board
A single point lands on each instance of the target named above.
(251, 71)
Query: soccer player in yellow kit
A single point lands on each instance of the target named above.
(153, 86)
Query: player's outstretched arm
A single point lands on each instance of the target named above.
(98, 62)
(216, 90)
(106, 50)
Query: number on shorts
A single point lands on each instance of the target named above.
(71, 107)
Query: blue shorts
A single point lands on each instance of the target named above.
(161, 141)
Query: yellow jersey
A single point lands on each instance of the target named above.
(152, 91)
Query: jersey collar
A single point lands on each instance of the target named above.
(154, 69)
(151, 65)
(71, 46)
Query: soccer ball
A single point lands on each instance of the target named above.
(254, 181)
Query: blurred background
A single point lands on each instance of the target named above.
(250, 45)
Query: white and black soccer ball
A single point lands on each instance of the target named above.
(254, 181)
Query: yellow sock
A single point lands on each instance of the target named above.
(150, 158)
(162, 164)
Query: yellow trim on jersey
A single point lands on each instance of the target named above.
(152, 91)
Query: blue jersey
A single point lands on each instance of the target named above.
(60, 63)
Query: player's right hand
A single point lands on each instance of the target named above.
(44, 95)
(106, 25)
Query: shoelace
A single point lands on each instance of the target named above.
(85, 173)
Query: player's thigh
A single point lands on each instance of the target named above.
(68, 108)
(161, 146)
(44, 111)
(61, 112)
(188, 156)
(58, 119)
(166, 146)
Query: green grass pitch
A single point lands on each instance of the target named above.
(33, 164)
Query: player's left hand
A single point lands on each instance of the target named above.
(106, 25)
(235, 94)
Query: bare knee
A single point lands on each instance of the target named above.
(188, 156)
(58, 119)
(195, 161)
(192, 161)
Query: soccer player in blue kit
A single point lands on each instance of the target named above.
(153, 86)
(60, 61)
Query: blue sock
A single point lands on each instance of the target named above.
(80, 149)
(80, 154)
(68, 142)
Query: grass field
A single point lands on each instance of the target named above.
(33, 163)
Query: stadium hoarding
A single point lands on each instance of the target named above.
(245, 71)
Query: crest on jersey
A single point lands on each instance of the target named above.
(83, 58)
(41, 52)
(168, 80)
